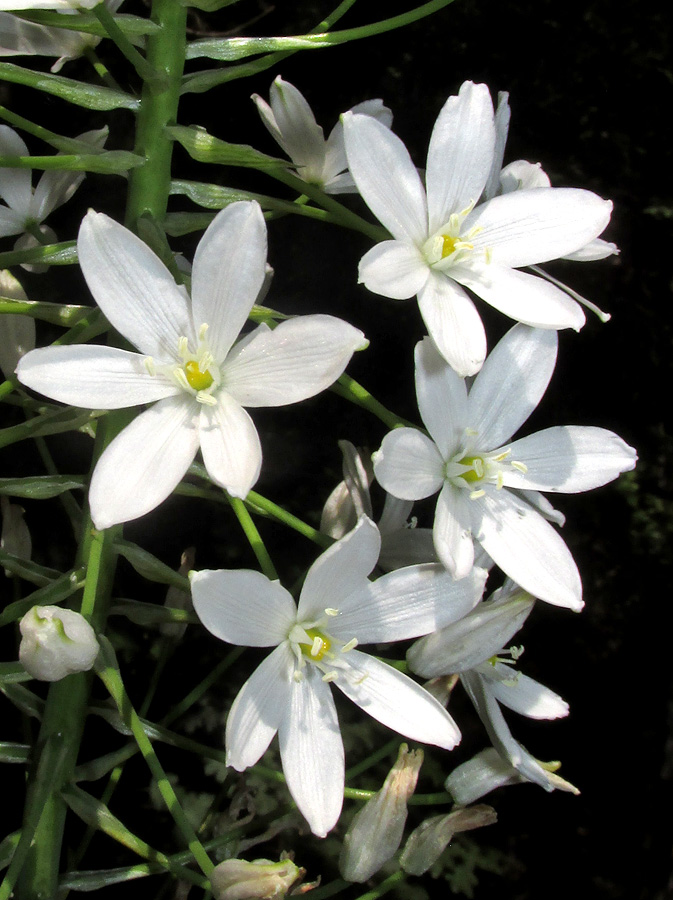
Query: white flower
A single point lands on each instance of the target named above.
(17, 336)
(56, 642)
(314, 645)
(292, 124)
(474, 649)
(21, 38)
(27, 208)
(488, 485)
(187, 361)
(443, 242)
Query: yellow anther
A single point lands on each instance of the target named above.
(319, 647)
(448, 245)
(476, 471)
(197, 379)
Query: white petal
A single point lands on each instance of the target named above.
(259, 708)
(230, 446)
(408, 464)
(312, 752)
(460, 154)
(525, 695)
(393, 269)
(302, 137)
(452, 530)
(340, 571)
(442, 398)
(93, 377)
(396, 701)
(453, 323)
(528, 549)
(522, 228)
(335, 156)
(145, 462)
(511, 384)
(15, 184)
(523, 297)
(596, 249)
(521, 175)
(569, 459)
(133, 287)
(11, 222)
(54, 188)
(228, 273)
(386, 177)
(501, 122)
(407, 603)
(298, 359)
(263, 620)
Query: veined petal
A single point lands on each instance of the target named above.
(335, 150)
(453, 323)
(442, 398)
(522, 228)
(300, 358)
(407, 603)
(524, 695)
(263, 620)
(133, 287)
(396, 701)
(230, 445)
(145, 462)
(228, 273)
(523, 297)
(511, 384)
(460, 154)
(15, 184)
(452, 530)
(408, 465)
(312, 752)
(11, 222)
(528, 549)
(569, 459)
(93, 377)
(302, 138)
(340, 571)
(53, 189)
(386, 177)
(501, 123)
(393, 269)
(259, 708)
(522, 175)
(596, 249)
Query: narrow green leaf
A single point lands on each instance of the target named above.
(55, 421)
(56, 313)
(87, 23)
(23, 699)
(205, 148)
(13, 673)
(50, 595)
(7, 848)
(109, 162)
(231, 49)
(14, 753)
(141, 613)
(40, 487)
(63, 254)
(149, 566)
(77, 92)
(28, 570)
(209, 5)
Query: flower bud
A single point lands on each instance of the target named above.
(376, 830)
(56, 642)
(238, 879)
(427, 842)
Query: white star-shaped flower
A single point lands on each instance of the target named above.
(488, 484)
(291, 122)
(315, 645)
(187, 361)
(444, 242)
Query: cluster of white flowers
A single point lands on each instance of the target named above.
(471, 228)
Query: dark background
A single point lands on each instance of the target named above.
(590, 92)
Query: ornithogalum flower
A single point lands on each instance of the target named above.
(290, 120)
(315, 643)
(66, 6)
(488, 484)
(187, 361)
(445, 241)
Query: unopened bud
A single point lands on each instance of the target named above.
(376, 830)
(56, 642)
(427, 842)
(15, 537)
(238, 879)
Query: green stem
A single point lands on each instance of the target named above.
(351, 390)
(392, 881)
(254, 538)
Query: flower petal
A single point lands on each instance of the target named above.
(452, 530)
(93, 377)
(264, 620)
(460, 154)
(442, 398)
(302, 138)
(258, 709)
(386, 177)
(569, 459)
(230, 446)
(133, 287)
(312, 752)
(453, 323)
(393, 269)
(228, 273)
(15, 184)
(340, 570)
(396, 701)
(300, 358)
(408, 464)
(528, 549)
(144, 462)
(524, 695)
(511, 384)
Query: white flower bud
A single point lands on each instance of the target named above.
(427, 842)
(376, 830)
(238, 879)
(56, 642)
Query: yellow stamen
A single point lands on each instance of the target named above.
(319, 647)
(197, 379)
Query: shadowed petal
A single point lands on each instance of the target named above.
(452, 530)
(230, 446)
(408, 464)
(393, 269)
(453, 323)
(442, 398)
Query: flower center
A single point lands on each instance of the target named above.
(312, 643)
(476, 470)
(198, 374)
(472, 470)
(320, 646)
(448, 247)
(197, 379)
